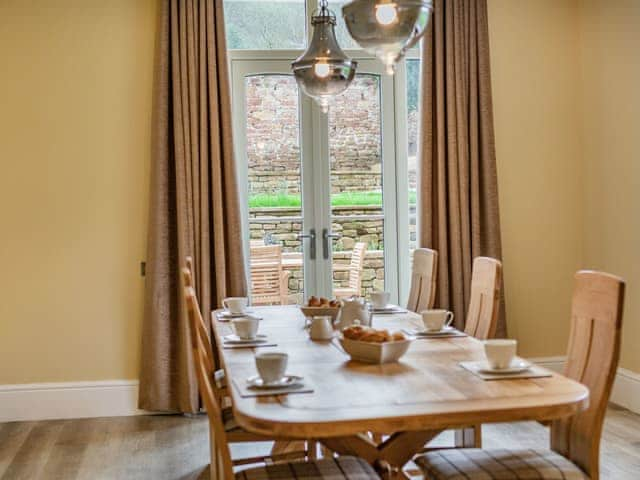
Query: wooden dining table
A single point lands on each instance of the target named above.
(411, 401)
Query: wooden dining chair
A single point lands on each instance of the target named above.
(356, 268)
(484, 304)
(269, 281)
(221, 467)
(592, 359)
(235, 434)
(422, 294)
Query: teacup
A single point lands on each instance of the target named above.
(436, 320)
(500, 352)
(271, 365)
(380, 300)
(235, 305)
(246, 327)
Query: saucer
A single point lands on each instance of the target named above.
(517, 365)
(390, 308)
(234, 339)
(288, 381)
(226, 314)
(442, 331)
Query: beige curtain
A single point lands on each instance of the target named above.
(458, 190)
(194, 197)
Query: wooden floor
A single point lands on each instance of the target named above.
(175, 447)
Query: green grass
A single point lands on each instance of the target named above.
(337, 199)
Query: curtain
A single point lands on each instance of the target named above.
(457, 181)
(194, 203)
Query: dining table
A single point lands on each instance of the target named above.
(410, 401)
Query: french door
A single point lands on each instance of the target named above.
(320, 184)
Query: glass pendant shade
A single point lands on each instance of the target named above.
(387, 28)
(323, 71)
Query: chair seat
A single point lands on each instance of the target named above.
(481, 464)
(341, 468)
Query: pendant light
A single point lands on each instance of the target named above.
(387, 28)
(323, 71)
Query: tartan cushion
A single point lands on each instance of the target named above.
(480, 464)
(341, 468)
(229, 420)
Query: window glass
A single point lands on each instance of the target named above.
(413, 94)
(342, 34)
(265, 24)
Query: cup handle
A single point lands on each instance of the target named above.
(449, 319)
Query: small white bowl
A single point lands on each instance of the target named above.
(369, 352)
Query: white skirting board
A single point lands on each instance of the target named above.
(44, 401)
(116, 398)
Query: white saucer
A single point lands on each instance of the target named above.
(288, 381)
(236, 340)
(518, 365)
(442, 331)
(227, 314)
(390, 308)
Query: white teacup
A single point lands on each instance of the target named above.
(246, 327)
(235, 304)
(271, 365)
(436, 320)
(380, 299)
(500, 352)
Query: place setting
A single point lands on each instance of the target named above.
(436, 323)
(272, 377)
(502, 363)
(246, 334)
(380, 304)
(234, 307)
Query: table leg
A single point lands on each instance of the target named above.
(388, 457)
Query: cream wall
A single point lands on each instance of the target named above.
(535, 78)
(610, 100)
(75, 102)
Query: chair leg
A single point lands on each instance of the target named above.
(470, 437)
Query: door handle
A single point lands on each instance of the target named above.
(325, 242)
(312, 239)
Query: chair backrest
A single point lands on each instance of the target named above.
(423, 280)
(266, 275)
(356, 266)
(197, 328)
(190, 280)
(484, 304)
(221, 466)
(592, 359)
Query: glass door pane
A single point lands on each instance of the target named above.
(271, 126)
(356, 171)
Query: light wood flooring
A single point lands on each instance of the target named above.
(175, 447)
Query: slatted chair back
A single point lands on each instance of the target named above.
(356, 267)
(422, 294)
(268, 279)
(592, 359)
(221, 464)
(484, 304)
(197, 328)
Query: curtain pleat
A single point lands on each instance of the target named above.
(457, 182)
(194, 203)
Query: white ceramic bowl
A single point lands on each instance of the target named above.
(370, 352)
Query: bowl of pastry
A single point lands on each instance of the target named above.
(320, 306)
(366, 344)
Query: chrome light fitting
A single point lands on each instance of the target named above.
(323, 71)
(387, 28)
